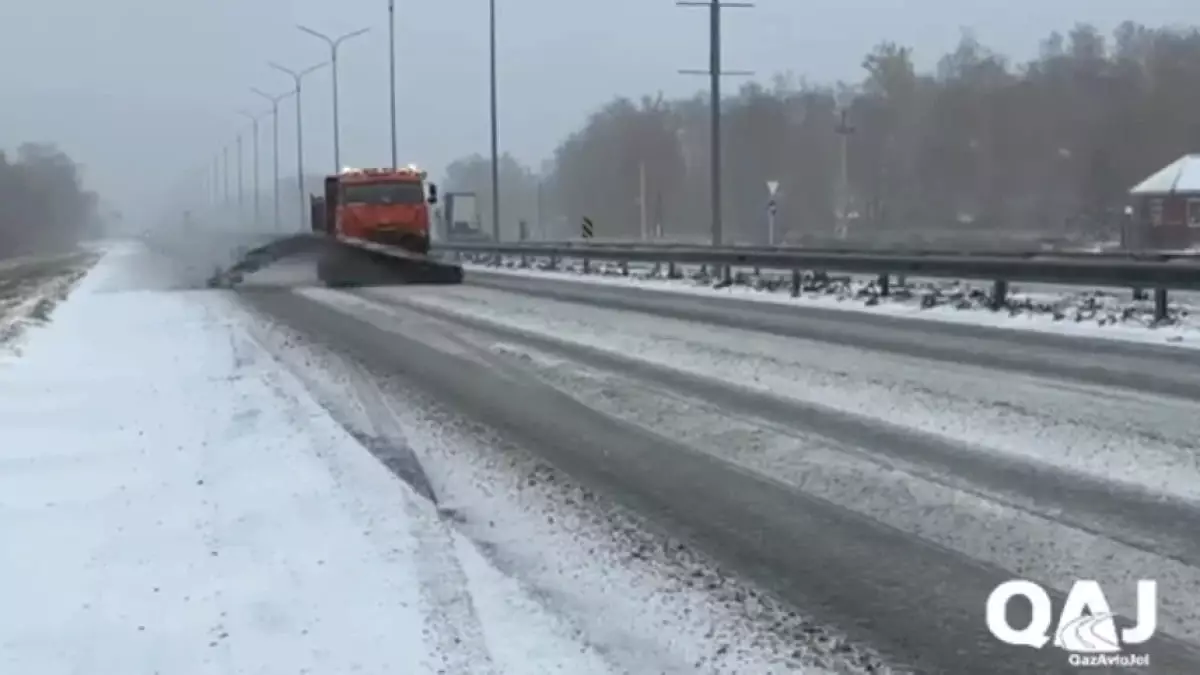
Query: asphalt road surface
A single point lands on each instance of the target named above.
(891, 528)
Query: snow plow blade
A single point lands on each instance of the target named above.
(344, 263)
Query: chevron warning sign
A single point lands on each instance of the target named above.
(588, 229)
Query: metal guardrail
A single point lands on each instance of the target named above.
(1158, 271)
(670, 246)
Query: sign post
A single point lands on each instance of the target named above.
(772, 209)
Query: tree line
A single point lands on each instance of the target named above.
(980, 146)
(43, 204)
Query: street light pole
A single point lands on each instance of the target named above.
(392, 75)
(334, 43)
(241, 181)
(495, 124)
(274, 144)
(844, 130)
(297, 77)
(257, 194)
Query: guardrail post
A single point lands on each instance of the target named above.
(884, 284)
(624, 268)
(672, 273)
(999, 294)
(587, 265)
(1160, 305)
(553, 262)
(727, 275)
(796, 279)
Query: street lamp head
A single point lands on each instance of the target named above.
(333, 42)
(274, 99)
(316, 34)
(313, 68)
(281, 69)
(353, 34)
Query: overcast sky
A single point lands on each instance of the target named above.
(142, 91)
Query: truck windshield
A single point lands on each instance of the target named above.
(394, 192)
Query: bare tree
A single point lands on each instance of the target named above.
(979, 150)
(43, 206)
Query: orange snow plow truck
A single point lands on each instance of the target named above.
(370, 227)
(384, 206)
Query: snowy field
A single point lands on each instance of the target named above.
(29, 289)
(1102, 313)
(182, 502)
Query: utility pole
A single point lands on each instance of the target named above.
(715, 74)
(844, 130)
(274, 144)
(334, 43)
(257, 194)
(225, 172)
(495, 125)
(392, 76)
(297, 78)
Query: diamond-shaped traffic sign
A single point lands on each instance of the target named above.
(772, 187)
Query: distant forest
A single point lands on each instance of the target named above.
(43, 205)
(980, 144)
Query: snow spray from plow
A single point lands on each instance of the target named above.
(343, 262)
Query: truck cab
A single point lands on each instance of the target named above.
(385, 206)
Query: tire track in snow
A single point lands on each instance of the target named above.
(1090, 511)
(725, 624)
(379, 429)
(452, 625)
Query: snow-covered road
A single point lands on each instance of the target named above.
(1042, 477)
(491, 480)
(186, 489)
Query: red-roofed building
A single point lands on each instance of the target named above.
(1166, 208)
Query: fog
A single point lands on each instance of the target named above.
(145, 94)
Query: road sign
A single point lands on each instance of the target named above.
(588, 228)
(772, 187)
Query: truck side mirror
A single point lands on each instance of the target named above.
(433, 195)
